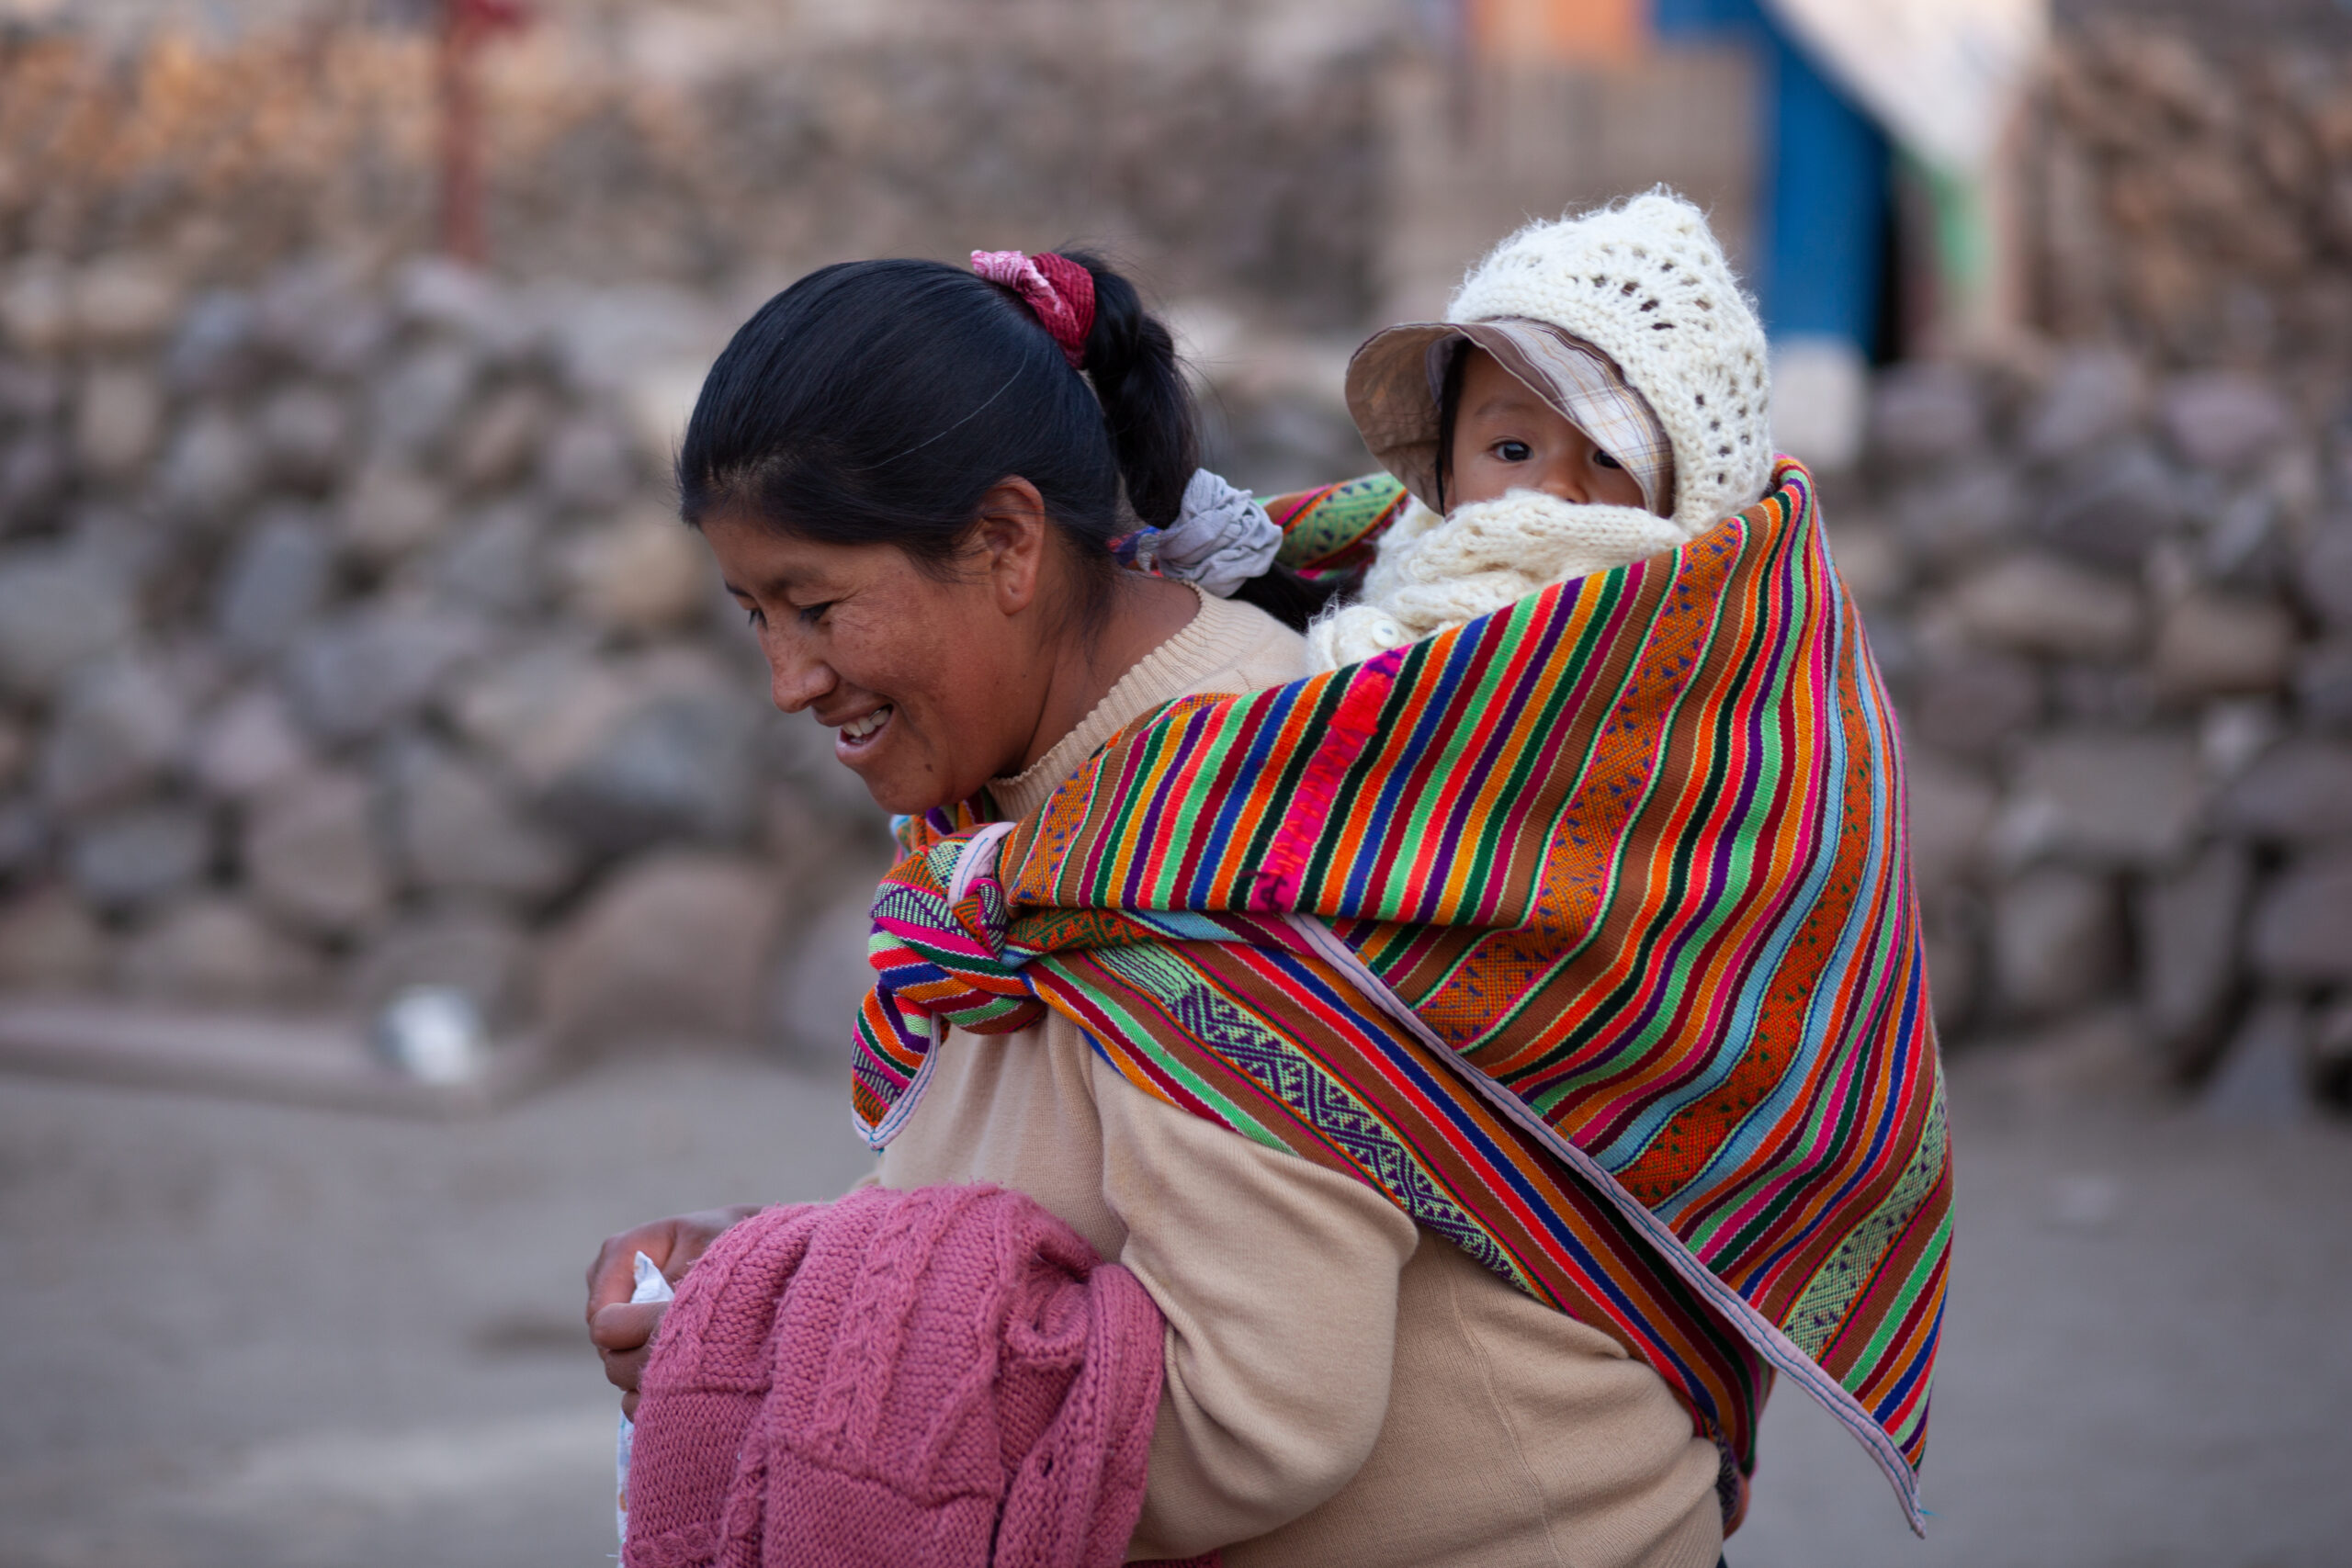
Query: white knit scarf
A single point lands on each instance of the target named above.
(1431, 573)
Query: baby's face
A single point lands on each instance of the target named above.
(1506, 438)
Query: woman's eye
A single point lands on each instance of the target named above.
(809, 615)
(1514, 451)
(1603, 460)
(753, 618)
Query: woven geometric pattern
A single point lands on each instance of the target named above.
(1584, 932)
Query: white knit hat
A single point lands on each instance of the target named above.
(1645, 283)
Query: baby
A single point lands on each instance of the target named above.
(1596, 394)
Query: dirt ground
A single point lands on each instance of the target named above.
(246, 1337)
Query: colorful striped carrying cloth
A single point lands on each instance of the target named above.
(1584, 932)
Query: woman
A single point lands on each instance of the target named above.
(913, 479)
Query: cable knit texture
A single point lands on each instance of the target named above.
(941, 1378)
(1431, 573)
(1645, 283)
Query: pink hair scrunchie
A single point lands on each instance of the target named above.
(1056, 288)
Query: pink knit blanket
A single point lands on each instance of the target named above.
(928, 1379)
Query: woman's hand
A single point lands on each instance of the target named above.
(623, 1331)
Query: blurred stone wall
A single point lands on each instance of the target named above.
(731, 148)
(2114, 602)
(346, 641)
(2189, 185)
(349, 641)
(2110, 574)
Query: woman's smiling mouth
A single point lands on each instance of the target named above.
(859, 732)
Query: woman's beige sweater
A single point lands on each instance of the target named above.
(1342, 1387)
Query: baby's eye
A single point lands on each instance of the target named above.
(1514, 451)
(1603, 460)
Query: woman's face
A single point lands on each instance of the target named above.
(933, 680)
(1506, 438)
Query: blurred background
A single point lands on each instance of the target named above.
(403, 881)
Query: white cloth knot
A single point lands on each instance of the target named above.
(1221, 538)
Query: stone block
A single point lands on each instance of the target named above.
(215, 349)
(501, 442)
(2056, 941)
(209, 470)
(2323, 570)
(543, 711)
(390, 511)
(682, 767)
(2323, 682)
(2209, 644)
(2111, 506)
(417, 401)
(29, 393)
(273, 585)
(249, 747)
(121, 725)
(2302, 933)
(2033, 603)
(588, 465)
(675, 943)
(1953, 516)
(646, 574)
(1951, 808)
(822, 978)
(2221, 419)
(439, 292)
(464, 947)
(2104, 799)
(2094, 396)
(24, 841)
(139, 856)
(117, 418)
(305, 432)
(1870, 563)
(1974, 699)
(310, 856)
(1924, 412)
(124, 303)
(493, 561)
(37, 307)
(2188, 926)
(314, 312)
(50, 941)
(351, 678)
(458, 833)
(1952, 937)
(217, 951)
(32, 474)
(2298, 792)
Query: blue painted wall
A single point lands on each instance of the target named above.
(1823, 171)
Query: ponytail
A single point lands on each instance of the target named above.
(1155, 428)
(1147, 406)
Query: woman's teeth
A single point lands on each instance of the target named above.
(859, 729)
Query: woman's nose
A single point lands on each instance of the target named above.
(795, 680)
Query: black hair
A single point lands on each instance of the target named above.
(1449, 407)
(877, 401)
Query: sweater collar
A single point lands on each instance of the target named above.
(1216, 636)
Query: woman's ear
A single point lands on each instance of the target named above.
(1011, 531)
